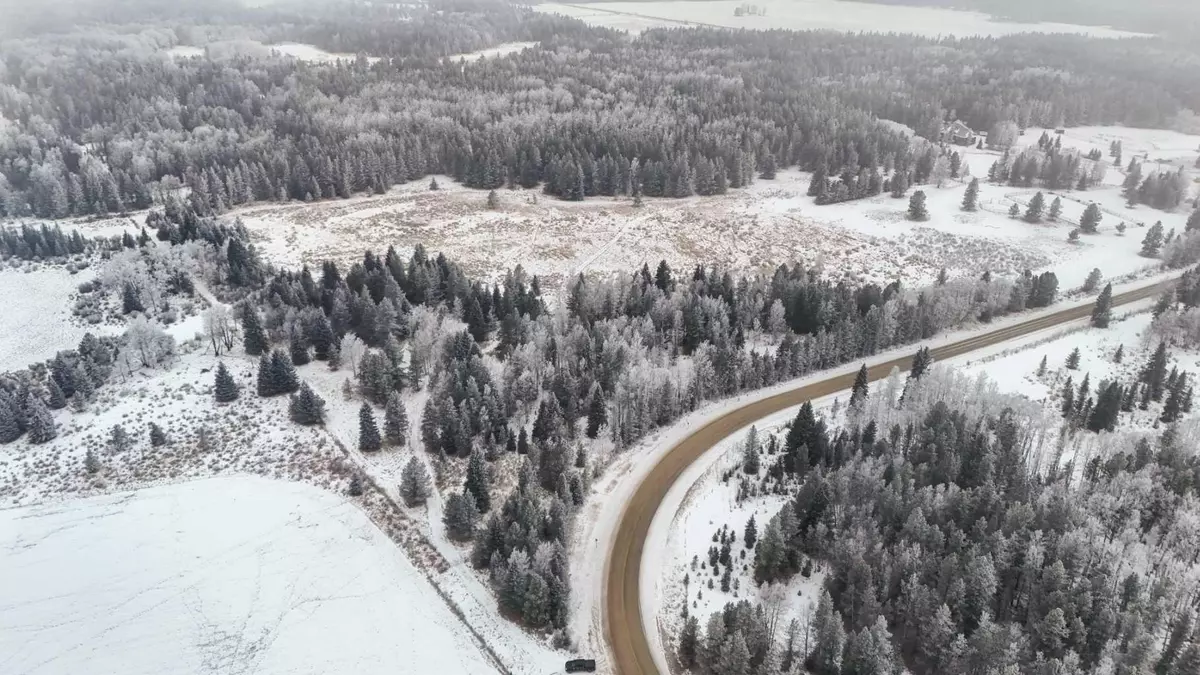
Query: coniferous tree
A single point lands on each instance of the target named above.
(1102, 311)
(225, 389)
(1091, 218)
(1055, 209)
(493, 200)
(1152, 242)
(1014, 211)
(91, 463)
(283, 374)
(254, 339)
(1037, 206)
(118, 439)
(750, 534)
(414, 483)
(916, 207)
(970, 200)
(1193, 221)
(861, 388)
(1177, 396)
(1073, 359)
(368, 431)
(478, 482)
(768, 167)
(55, 400)
(1154, 375)
(1041, 371)
(395, 421)
(265, 382)
(158, 437)
(306, 407)
(597, 412)
(40, 423)
(131, 300)
(460, 516)
(828, 639)
(1093, 280)
(688, 649)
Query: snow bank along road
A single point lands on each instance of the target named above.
(624, 630)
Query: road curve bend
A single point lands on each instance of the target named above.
(624, 631)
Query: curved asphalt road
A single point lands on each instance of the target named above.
(624, 632)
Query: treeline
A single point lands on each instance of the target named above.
(246, 129)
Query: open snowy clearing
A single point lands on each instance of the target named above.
(492, 52)
(228, 48)
(237, 574)
(808, 15)
(38, 322)
(756, 228)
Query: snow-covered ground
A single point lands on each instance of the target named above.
(808, 15)
(225, 48)
(237, 574)
(756, 228)
(38, 322)
(492, 52)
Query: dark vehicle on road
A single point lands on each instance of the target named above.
(581, 666)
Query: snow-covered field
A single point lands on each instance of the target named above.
(808, 15)
(492, 52)
(295, 50)
(238, 574)
(38, 322)
(756, 228)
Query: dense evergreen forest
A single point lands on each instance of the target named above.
(101, 120)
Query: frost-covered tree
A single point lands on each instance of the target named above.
(1102, 311)
(478, 482)
(254, 339)
(146, 345)
(970, 200)
(39, 421)
(220, 328)
(414, 483)
(225, 389)
(368, 431)
(1153, 241)
(916, 207)
(158, 437)
(395, 421)
(1090, 221)
(306, 407)
(460, 516)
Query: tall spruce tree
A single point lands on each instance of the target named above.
(1102, 311)
(478, 482)
(368, 431)
(861, 388)
(254, 339)
(414, 483)
(225, 389)
(597, 412)
(40, 423)
(1152, 242)
(395, 421)
(1091, 218)
(306, 407)
(1037, 206)
(970, 200)
(916, 207)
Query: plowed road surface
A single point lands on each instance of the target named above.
(627, 637)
